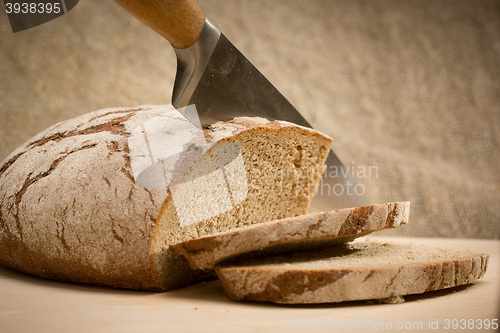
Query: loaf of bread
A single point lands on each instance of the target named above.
(355, 271)
(122, 197)
(85, 201)
(312, 230)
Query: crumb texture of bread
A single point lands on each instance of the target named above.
(343, 224)
(72, 210)
(356, 271)
(283, 164)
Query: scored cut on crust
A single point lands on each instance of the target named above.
(339, 225)
(355, 271)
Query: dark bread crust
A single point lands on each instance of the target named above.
(62, 195)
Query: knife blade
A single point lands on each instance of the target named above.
(222, 83)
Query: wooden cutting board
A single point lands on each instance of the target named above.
(30, 304)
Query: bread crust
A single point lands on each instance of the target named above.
(70, 208)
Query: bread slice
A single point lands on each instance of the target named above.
(75, 207)
(335, 226)
(356, 271)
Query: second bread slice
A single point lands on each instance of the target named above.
(348, 272)
(340, 225)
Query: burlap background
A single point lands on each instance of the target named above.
(409, 87)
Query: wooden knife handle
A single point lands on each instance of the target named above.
(179, 21)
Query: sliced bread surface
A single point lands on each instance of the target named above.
(283, 164)
(362, 270)
(341, 225)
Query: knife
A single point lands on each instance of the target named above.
(217, 78)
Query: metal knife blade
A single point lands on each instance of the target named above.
(222, 83)
(214, 76)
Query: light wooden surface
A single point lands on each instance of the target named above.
(30, 304)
